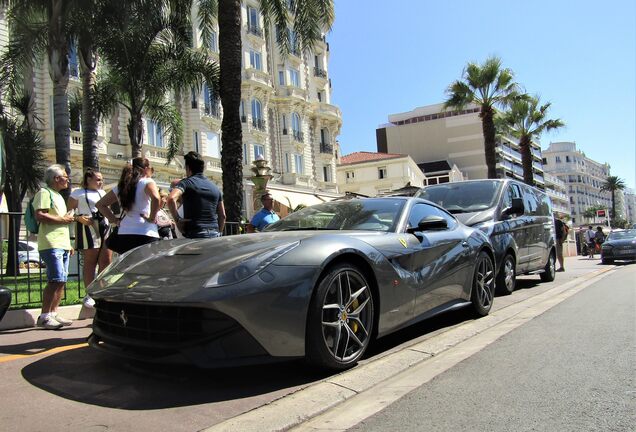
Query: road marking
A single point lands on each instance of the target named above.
(56, 350)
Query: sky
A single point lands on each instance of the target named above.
(388, 57)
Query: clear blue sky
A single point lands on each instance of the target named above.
(393, 56)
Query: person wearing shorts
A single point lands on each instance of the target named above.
(54, 243)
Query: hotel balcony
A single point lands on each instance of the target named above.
(329, 111)
(320, 73)
(255, 30)
(298, 136)
(258, 124)
(258, 78)
(326, 148)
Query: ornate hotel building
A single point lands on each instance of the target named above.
(286, 111)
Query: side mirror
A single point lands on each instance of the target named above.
(430, 223)
(516, 208)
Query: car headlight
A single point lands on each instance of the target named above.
(249, 267)
(110, 274)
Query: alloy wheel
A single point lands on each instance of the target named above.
(347, 316)
(484, 280)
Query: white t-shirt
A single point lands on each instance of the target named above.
(81, 195)
(134, 222)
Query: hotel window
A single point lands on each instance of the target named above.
(326, 173)
(246, 155)
(252, 18)
(194, 98)
(213, 42)
(255, 60)
(259, 150)
(195, 141)
(558, 159)
(295, 124)
(257, 114)
(294, 77)
(73, 61)
(287, 163)
(155, 134)
(213, 148)
(212, 104)
(281, 78)
(350, 176)
(298, 162)
(382, 172)
(567, 158)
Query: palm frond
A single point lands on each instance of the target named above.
(169, 117)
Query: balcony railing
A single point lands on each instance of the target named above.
(255, 30)
(212, 110)
(298, 135)
(319, 72)
(258, 123)
(326, 148)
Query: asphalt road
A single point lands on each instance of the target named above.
(571, 369)
(50, 380)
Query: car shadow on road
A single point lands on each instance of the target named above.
(88, 376)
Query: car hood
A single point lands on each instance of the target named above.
(620, 242)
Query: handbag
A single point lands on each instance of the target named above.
(114, 241)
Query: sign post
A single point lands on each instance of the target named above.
(604, 213)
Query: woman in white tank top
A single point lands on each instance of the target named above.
(138, 197)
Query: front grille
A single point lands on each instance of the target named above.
(153, 325)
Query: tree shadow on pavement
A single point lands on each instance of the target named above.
(88, 376)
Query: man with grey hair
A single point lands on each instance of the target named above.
(54, 243)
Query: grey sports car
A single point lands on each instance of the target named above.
(320, 284)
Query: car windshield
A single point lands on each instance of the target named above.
(622, 235)
(380, 214)
(466, 197)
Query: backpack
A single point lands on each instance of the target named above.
(30, 221)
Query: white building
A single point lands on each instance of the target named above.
(286, 113)
(373, 174)
(429, 134)
(583, 176)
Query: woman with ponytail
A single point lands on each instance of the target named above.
(139, 200)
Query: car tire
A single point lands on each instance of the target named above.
(607, 261)
(507, 277)
(549, 271)
(483, 291)
(341, 319)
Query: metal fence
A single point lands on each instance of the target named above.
(22, 271)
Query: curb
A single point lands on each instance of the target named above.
(23, 318)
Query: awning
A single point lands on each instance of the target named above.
(294, 199)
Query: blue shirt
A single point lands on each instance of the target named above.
(263, 218)
(200, 198)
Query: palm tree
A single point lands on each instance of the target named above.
(488, 86)
(41, 27)
(613, 184)
(147, 54)
(298, 24)
(526, 121)
(24, 162)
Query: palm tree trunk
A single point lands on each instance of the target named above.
(526, 160)
(58, 71)
(613, 215)
(90, 148)
(488, 127)
(230, 91)
(136, 133)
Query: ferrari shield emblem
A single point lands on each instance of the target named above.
(403, 242)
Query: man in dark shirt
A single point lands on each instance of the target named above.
(203, 209)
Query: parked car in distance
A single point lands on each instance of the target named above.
(619, 245)
(516, 217)
(320, 284)
(28, 253)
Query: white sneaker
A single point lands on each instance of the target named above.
(49, 323)
(61, 320)
(88, 302)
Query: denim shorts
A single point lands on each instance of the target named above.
(56, 261)
(202, 233)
